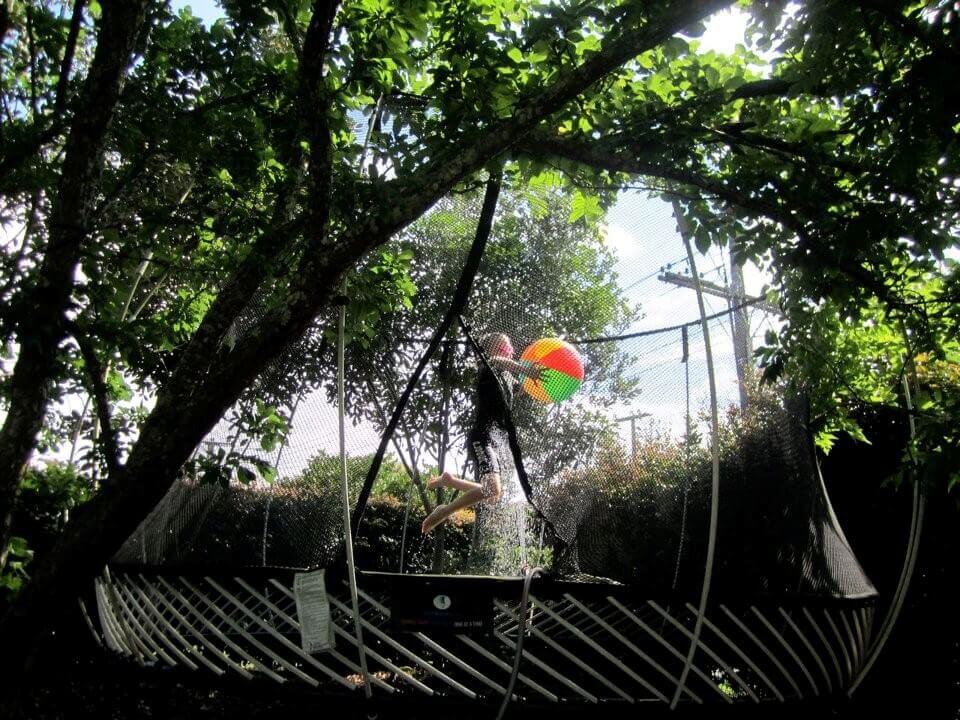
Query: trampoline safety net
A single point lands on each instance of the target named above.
(620, 474)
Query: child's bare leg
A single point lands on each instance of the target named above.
(442, 512)
(489, 491)
(448, 480)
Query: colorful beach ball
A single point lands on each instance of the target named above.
(562, 374)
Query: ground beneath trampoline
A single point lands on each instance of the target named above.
(94, 685)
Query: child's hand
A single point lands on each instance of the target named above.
(533, 371)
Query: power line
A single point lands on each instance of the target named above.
(667, 266)
(671, 328)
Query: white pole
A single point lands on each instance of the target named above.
(909, 561)
(715, 451)
(347, 529)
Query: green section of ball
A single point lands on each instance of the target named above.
(559, 386)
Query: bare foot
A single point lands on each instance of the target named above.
(433, 519)
(440, 482)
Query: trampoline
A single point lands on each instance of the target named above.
(697, 564)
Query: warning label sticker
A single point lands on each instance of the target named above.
(313, 611)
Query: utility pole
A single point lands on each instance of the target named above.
(739, 323)
(735, 295)
(710, 288)
(742, 347)
(633, 430)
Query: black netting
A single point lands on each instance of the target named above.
(620, 475)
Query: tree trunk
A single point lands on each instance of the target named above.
(44, 306)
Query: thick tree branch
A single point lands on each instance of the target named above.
(325, 262)
(808, 154)
(265, 256)
(96, 372)
(316, 106)
(405, 199)
(543, 146)
(797, 151)
(409, 197)
(769, 87)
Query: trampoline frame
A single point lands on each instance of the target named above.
(585, 643)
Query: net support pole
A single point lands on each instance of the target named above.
(685, 340)
(348, 538)
(909, 561)
(715, 455)
(459, 301)
(528, 576)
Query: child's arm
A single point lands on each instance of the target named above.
(532, 370)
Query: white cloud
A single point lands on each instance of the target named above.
(620, 241)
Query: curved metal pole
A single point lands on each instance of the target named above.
(529, 575)
(715, 451)
(685, 337)
(348, 536)
(909, 561)
(406, 522)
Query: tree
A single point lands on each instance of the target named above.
(234, 182)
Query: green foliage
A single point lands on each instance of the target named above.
(933, 458)
(252, 420)
(324, 470)
(385, 286)
(267, 425)
(15, 572)
(644, 517)
(849, 363)
(57, 485)
(47, 495)
(378, 545)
